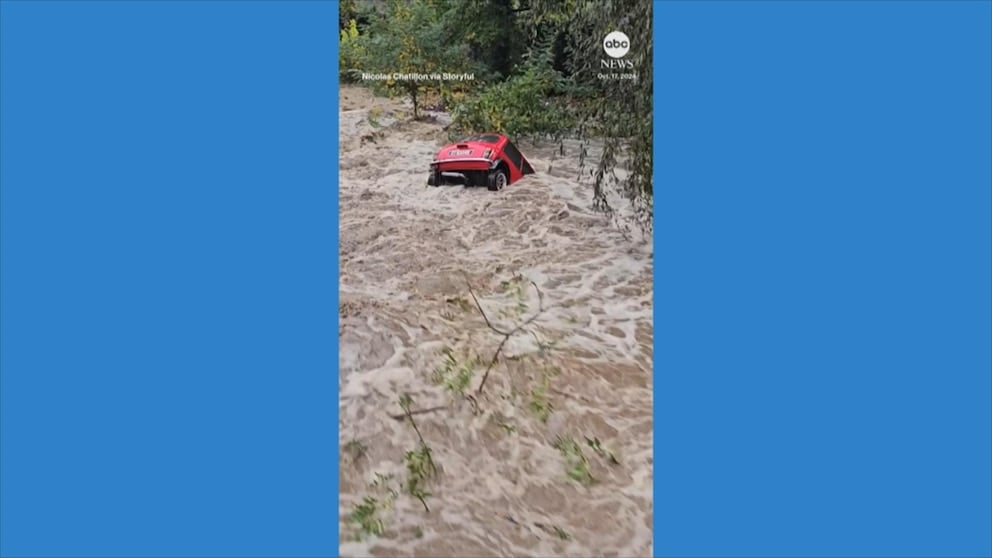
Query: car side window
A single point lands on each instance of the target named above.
(513, 154)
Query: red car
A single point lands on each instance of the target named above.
(486, 159)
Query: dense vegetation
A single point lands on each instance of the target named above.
(536, 66)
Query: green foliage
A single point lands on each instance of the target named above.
(516, 289)
(347, 12)
(454, 373)
(617, 112)
(576, 464)
(420, 466)
(417, 41)
(420, 469)
(540, 402)
(554, 530)
(366, 517)
(352, 51)
(540, 394)
(492, 32)
(528, 104)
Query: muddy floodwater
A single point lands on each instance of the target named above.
(554, 456)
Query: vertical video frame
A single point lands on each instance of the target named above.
(496, 276)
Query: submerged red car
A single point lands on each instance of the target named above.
(483, 160)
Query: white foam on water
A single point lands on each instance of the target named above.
(407, 251)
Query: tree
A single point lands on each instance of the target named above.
(414, 42)
(492, 31)
(617, 111)
(347, 12)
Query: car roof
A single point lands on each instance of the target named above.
(484, 138)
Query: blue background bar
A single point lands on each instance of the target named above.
(824, 269)
(169, 272)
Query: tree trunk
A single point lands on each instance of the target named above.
(504, 15)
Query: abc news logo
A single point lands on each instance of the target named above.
(616, 45)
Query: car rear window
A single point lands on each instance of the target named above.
(486, 138)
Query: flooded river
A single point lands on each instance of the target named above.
(553, 457)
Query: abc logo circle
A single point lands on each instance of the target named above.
(616, 44)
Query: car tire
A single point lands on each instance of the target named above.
(435, 178)
(497, 180)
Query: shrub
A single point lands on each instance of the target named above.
(351, 52)
(528, 104)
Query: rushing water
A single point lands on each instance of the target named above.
(580, 371)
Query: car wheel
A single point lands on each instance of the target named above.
(435, 178)
(497, 180)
